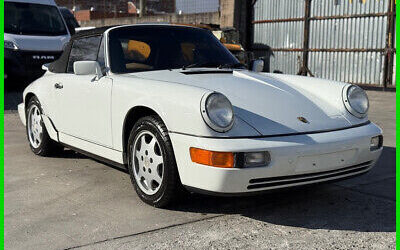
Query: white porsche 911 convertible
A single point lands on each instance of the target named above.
(173, 106)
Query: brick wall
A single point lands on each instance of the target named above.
(87, 15)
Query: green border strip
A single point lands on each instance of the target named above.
(2, 119)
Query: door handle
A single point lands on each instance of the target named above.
(58, 85)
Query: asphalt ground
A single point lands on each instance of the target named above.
(72, 201)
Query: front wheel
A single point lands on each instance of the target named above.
(152, 164)
(39, 140)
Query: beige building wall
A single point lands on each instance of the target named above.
(227, 8)
(211, 17)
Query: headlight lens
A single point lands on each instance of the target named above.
(217, 112)
(10, 45)
(357, 100)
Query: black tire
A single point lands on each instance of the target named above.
(170, 188)
(47, 146)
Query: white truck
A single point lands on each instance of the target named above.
(34, 34)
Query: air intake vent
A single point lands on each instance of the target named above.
(298, 179)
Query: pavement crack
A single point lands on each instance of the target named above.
(145, 232)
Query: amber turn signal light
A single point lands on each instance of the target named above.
(212, 158)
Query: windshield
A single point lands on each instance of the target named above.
(33, 19)
(145, 48)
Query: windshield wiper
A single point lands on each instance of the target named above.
(231, 66)
(214, 65)
(201, 65)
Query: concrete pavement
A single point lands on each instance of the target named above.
(71, 201)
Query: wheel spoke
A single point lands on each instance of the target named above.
(40, 129)
(139, 174)
(142, 143)
(156, 177)
(139, 161)
(151, 145)
(157, 160)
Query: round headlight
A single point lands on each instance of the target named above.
(356, 101)
(217, 112)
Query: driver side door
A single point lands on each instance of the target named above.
(84, 102)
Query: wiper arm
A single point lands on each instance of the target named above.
(214, 64)
(231, 66)
(201, 64)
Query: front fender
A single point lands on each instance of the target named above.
(178, 105)
(42, 88)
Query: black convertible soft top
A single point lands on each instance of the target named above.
(60, 65)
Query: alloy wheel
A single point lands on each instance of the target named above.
(35, 129)
(148, 163)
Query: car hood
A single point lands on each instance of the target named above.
(270, 105)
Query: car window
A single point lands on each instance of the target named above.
(33, 19)
(187, 51)
(136, 54)
(83, 49)
(135, 49)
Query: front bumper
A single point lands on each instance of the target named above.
(295, 160)
(21, 113)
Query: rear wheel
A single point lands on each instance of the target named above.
(39, 140)
(152, 165)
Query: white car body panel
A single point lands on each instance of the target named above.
(89, 115)
(53, 133)
(79, 29)
(253, 94)
(181, 114)
(83, 108)
(286, 153)
(92, 148)
(21, 113)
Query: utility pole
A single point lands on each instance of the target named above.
(306, 41)
(142, 8)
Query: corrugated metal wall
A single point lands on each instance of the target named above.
(340, 48)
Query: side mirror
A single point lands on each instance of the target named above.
(257, 65)
(45, 67)
(88, 68)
